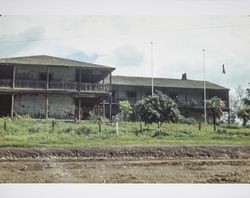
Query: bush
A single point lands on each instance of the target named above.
(83, 131)
(231, 126)
(160, 133)
(33, 130)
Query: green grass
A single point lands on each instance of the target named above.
(40, 133)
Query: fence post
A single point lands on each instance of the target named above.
(4, 124)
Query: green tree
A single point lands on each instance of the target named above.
(214, 107)
(244, 114)
(158, 108)
(96, 118)
(246, 100)
(125, 109)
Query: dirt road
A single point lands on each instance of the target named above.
(171, 164)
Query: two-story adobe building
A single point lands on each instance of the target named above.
(51, 87)
(188, 94)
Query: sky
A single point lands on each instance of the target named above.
(122, 40)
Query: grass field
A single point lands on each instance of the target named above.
(52, 133)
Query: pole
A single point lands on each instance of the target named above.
(152, 68)
(204, 84)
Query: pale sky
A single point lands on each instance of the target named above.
(123, 40)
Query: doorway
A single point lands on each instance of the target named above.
(5, 105)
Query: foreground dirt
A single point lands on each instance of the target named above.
(171, 164)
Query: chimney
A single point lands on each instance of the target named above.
(184, 76)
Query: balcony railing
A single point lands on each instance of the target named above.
(30, 84)
(55, 85)
(5, 83)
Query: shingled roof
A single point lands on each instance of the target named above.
(50, 61)
(163, 82)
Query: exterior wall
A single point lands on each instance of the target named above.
(61, 106)
(62, 73)
(34, 105)
(58, 73)
(121, 93)
(29, 72)
(180, 95)
(196, 95)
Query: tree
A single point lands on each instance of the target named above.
(97, 118)
(215, 106)
(158, 108)
(246, 100)
(244, 114)
(240, 98)
(236, 100)
(125, 109)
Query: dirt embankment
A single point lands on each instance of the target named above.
(127, 153)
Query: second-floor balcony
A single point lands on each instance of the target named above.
(55, 85)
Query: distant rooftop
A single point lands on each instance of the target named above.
(50, 61)
(163, 82)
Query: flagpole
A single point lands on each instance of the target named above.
(204, 85)
(152, 68)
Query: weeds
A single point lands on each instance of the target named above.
(28, 132)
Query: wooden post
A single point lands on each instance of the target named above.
(47, 78)
(79, 108)
(117, 94)
(12, 106)
(46, 107)
(103, 108)
(98, 110)
(14, 77)
(110, 96)
(80, 79)
(140, 93)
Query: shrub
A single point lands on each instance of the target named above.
(33, 129)
(160, 133)
(83, 130)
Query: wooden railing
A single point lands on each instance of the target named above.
(55, 85)
(5, 83)
(30, 84)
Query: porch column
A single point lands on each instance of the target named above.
(14, 77)
(47, 78)
(80, 79)
(229, 116)
(103, 108)
(79, 108)
(46, 106)
(117, 94)
(110, 96)
(12, 106)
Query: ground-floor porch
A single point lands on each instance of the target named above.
(60, 106)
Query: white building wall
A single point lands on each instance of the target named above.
(34, 105)
(61, 106)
